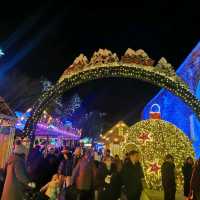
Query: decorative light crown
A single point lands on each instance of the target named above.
(105, 58)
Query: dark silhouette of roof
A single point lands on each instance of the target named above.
(5, 109)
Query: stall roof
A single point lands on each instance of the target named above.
(115, 129)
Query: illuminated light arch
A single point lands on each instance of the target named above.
(105, 64)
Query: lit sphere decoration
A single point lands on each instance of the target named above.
(154, 139)
(105, 64)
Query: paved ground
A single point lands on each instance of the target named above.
(158, 195)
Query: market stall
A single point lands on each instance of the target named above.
(7, 131)
(114, 137)
(50, 129)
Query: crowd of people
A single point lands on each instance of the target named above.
(85, 174)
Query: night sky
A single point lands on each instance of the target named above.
(47, 36)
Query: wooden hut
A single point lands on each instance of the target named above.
(114, 137)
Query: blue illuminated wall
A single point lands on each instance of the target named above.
(172, 107)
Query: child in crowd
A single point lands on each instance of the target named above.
(52, 188)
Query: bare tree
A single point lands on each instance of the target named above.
(19, 90)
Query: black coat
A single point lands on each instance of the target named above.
(35, 167)
(50, 167)
(132, 175)
(168, 175)
(65, 167)
(110, 191)
(187, 173)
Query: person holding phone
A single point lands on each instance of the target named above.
(109, 180)
(133, 176)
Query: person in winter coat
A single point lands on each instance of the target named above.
(195, 181)
(169, 178)
(35, 166)
(65, 168)
(16, 175)
(187, 173)
(82, 177)
(50, 165)
(109, 180)
(133, 176)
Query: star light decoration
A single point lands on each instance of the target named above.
(145, 137)
(154, 168)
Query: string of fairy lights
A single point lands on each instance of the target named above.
(104, 68)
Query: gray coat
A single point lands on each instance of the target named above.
(82, 175)
(16, 178)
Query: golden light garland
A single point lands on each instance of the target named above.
(165, 139)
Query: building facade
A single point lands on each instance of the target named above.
(173, 109)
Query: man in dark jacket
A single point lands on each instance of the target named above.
(133, 176)
(16, 176)
(109, 184)
(50, 166)
(169, 178)
(35, 166)
(187, 174)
